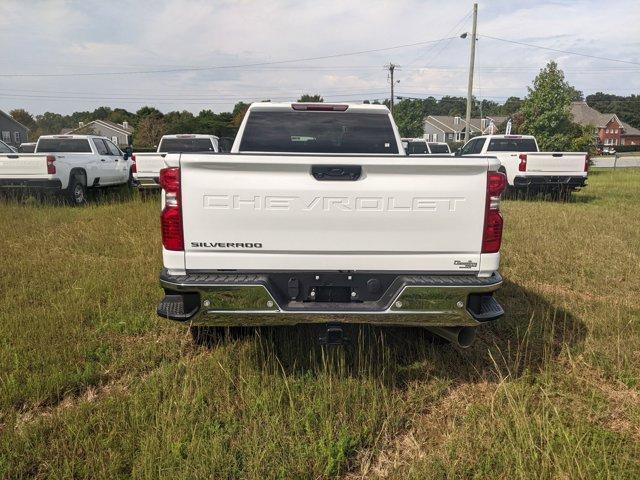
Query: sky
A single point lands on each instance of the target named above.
(64, 56)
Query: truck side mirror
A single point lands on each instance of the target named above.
(458, 152)
(128, 152)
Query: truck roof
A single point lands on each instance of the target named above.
(341, 107)
(72, 136)
(190, 135)
(505, 136)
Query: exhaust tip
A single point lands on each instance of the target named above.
(466, 337)
(462, 337)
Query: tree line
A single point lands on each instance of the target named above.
(149, 123)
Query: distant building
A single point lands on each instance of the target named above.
(12, 132)
(120, 134)
(442, 128)
(609, 129)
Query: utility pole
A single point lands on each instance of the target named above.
(391, 67)
(472, 58)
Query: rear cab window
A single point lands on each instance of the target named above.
(178, 145)
(439, 148)
(63, 145)
(417, 148)
(318, 132)
(4, 148)
(512, 145)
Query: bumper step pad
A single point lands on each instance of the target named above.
(173, 307)
(490, 309)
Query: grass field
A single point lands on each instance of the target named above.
(94, 385)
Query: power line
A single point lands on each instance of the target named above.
(568, 52)
(220, 67)
(433, 47)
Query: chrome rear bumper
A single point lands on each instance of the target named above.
(254, 300)
(147, 182)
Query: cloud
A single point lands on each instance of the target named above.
(90, 36)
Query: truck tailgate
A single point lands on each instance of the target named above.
(150, 163)
(555, 162)
(23, 165)
(268, 212)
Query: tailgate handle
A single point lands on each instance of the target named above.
(557, 154)
(347, 173)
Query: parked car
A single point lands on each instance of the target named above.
(528, 168)
(419, 146)
(66, 164)
(148, 165)
(609, 151)
(318, 216)
(29, 147)
(6, 148)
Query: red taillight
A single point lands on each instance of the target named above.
(492, 237)
(51, 166)
(586, 162)
(496, 183)
(492, 234)
(170, 180)
(523, 162)
(171, 217)
(134, 167)
(171, 220)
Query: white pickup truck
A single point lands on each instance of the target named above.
(419, 146)
(318, 216)
(68, 164)
(528, 168)
(148, 165)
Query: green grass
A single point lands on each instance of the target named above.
(94, 385)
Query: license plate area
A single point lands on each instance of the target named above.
(331, 294)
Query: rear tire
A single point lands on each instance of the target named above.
(77, 191)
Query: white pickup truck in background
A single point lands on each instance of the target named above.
(318, 216)
(528, 168)
(419, 146)
(67, 164)
(148, 165)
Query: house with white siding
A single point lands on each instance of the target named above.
(442, 128)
